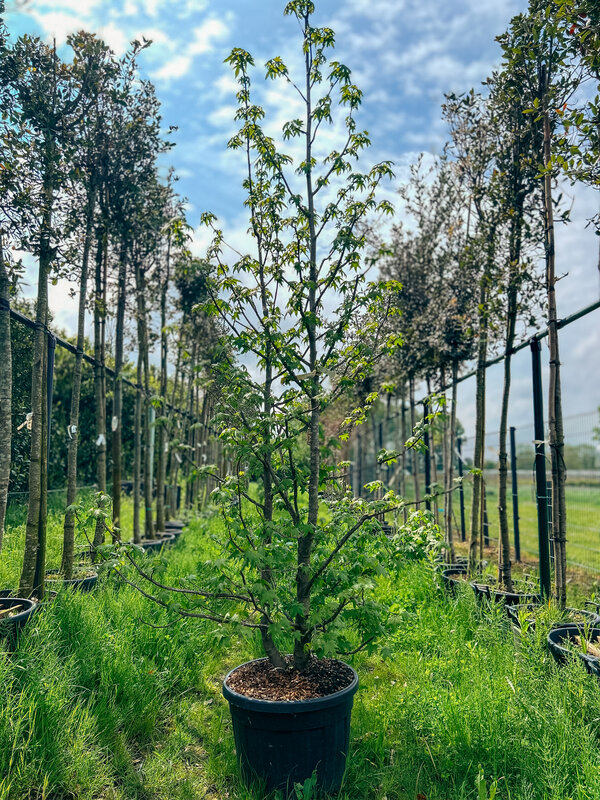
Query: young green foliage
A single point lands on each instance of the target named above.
(301, 554)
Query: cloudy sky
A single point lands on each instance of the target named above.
(404, 54)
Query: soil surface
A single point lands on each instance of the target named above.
(262, 681)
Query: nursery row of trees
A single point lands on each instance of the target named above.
(84, 191)
(481, 218)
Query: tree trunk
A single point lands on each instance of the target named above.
(171, 505)
(414, 461)
(142, 324)
(116, 423)
(449, 466)
(100, 356)
(69, 526)
(190, 431)
(555, 417)
(137, 454)
(432, 460)
(35, 530)
(305, 541)
(504, 565)
(403, 452)
(477, 503)
(161, 468)
(5, 389)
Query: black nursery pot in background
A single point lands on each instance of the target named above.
(558, 638)
(79, 584)
(485, 592)
(284, 742)
(453, 576)
(22, 609)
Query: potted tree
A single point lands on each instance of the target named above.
(300, 554)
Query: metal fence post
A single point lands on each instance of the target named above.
(461, 491)
(378, 466)
(426, 456)
(549, 496)
(486, 524)
(51, 340)
(540, 467)
(359, 465)
(515, 494)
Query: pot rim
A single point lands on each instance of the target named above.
(556, 636)
(288, 706)
(455, 569)
(31, 606)
(53, 576)
(481, 588)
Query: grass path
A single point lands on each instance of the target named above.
(95, 704)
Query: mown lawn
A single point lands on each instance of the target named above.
(94, 703)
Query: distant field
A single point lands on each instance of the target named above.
(583, 515)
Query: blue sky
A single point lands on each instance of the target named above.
(404, 54)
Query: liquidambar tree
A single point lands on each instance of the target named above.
(301, 307)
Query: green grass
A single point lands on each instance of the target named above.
(583, 519)
(96, 704)
(11, 557)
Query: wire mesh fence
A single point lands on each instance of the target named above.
(582, 460)
(408, 477)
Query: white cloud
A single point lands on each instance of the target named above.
(204, 37)
(115, 38)
(176, 67)
(58, 24)
(205, 34)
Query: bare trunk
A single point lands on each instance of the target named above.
(449, 467)
(190, 433)
(69, 526)
(403, 452)
(117, 410)
(504, 565)
(35, 531)
(414, 461)
(432, 460)
(168, 449)
(161, 468)
(171, 506)
(477, 503)
(143, 361)
(99, 356)
(5, 389)
(137, 454)
(555, 418)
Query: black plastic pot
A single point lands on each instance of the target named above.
(451, 577)
(484, 591)
(512, 611)
(9, 625)
(174, 525)
(79, 584)
(283, 743)
(156, 544)
(175, 533)
(557, 636)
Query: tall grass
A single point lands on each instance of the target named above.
(97, 703)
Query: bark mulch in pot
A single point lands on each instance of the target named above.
(262, 681)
